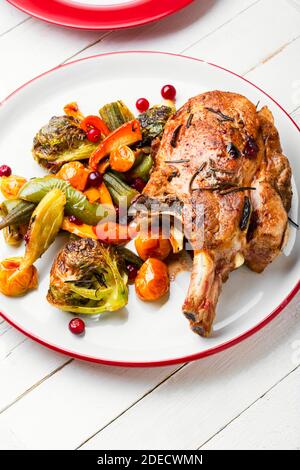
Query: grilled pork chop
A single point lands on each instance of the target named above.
(221, 157)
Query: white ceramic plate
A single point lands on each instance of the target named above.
(154, 333)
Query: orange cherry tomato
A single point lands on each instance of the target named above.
(14, 281)
(122, 158)
(152, 247)
(152, 281)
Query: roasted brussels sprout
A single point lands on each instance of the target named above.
(89, 278)
(153, 122)
(60, 141)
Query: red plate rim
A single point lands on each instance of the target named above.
(179, 360)
(93, 17)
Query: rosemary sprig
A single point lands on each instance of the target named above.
(294, 224)
(237, 190)
(189, 121)
(175, 136)
(221, 115)
(216, 187)
(178, 161)
(197, 172)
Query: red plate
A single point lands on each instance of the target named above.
(117, 15)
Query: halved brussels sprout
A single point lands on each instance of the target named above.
(88, 278)
(60, 141)
(153, 122)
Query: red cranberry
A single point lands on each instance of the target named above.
(77, 326)
(132, 272)
(93, 135)
(138, 184)
(168, 92)
(251, 148)
(5, 170)
(94, 180)
(75, 220)
(142, 105)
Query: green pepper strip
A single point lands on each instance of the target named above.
(77, 204)
(143, 169)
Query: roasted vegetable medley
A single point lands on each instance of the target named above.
(97, 165)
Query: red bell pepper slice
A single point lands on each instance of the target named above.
(127, 134)
(90, 122)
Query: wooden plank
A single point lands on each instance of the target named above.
(23, 363)
(34, 47)
(10, 18)
(272, 423)
(260, 65)
(177, 32)
(279, 75)
(251, 37)
(185, 411)
(69, 406)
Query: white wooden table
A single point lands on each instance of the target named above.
(245, 397)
